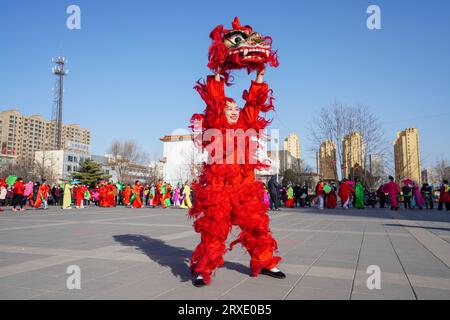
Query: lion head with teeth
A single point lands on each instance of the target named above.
(240, 48)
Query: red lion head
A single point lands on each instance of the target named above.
(240, 48)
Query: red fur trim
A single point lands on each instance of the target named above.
(217, 207)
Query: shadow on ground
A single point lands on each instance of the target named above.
(383, 213)
(418, 227)
(175, 258)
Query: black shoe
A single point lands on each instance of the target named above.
(278, 274)
(199, 282)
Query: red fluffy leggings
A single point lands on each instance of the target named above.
(220, 205)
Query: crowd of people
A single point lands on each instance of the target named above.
(347, 194)
(74, 194)
(327, 194)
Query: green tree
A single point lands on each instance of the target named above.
(90, 173)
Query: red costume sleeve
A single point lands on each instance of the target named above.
(256, 99)
(213, 93)
(215, 90)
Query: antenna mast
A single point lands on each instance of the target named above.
(59, 71)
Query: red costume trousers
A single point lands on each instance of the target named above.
(230, 198)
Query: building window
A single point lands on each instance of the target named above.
(70, 158)
(69, 168)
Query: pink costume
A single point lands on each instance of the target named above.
(418, 198)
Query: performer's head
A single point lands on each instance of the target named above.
(231, 111)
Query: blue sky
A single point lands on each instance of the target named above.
(134, 63)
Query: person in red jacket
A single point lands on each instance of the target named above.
(18, 190)
(444, 197)
(79, 196)
(42, 195)
(331, 198)
(110, 197)
(320, 194)
(393, 190)
(3, 188)
(136, 201)
(127, 195)
(345, 192)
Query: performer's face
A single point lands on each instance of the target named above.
(231, 112)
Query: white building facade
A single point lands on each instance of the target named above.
(60, 164)
(181, 158)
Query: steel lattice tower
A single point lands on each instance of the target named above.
(59, 71)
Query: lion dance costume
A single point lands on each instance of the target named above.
(227, 194)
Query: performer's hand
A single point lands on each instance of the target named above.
(218, 72)
(260, 75)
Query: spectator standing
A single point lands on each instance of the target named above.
(273, 192)
(427, 194)
(18, 190)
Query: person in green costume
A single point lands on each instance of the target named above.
(290, 197)
(67, 199)
(167, 195)
(163, 191)
(359, 196)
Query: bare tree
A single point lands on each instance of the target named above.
(154, 173)
(337, 121)
(33, 170)
(44, 167)
(304, 167)
(193, 165)
(123, 156)
(441, 170)
(23, 169)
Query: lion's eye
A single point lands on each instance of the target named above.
(236, 38)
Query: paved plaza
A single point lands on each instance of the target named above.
(144, 254)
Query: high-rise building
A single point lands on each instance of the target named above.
(326, 160)
(353, 153)
(292, 144)
(424, 175)
(23, 135)
(407, 155)
(375, 165)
